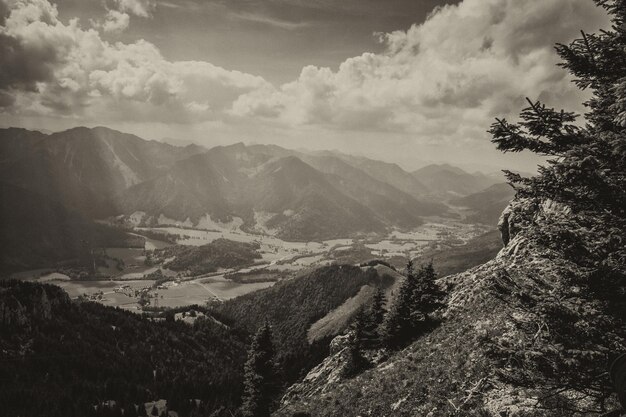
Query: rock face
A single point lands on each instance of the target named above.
(529, 333)
(324, 376)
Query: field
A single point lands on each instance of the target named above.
(126, 274)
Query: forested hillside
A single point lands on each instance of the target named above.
(63, 358)
(293, 306)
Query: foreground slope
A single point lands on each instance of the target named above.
(528, 333)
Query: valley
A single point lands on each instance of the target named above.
(143, 225)
(124, 275)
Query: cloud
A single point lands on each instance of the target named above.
(118, 14)
(267, 20)
(115, 22)
(52, 68)
(141, 8)
(445, 78)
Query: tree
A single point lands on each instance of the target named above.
(260, 375)
(426, 294)
(410, 314)
(587, 166)
(398, 322)
(377, 308)
(357, 339)
(375, 319)
(586, 172)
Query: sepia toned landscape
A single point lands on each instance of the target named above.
(312, 209)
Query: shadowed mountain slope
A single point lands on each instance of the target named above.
(485, 206)
(38, 232)
(448, 181)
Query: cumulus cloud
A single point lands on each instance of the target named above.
(52, 68)
(118, 14)
(142, 8)
(445, 78)
(115, 21)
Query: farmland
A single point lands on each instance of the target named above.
(126, 279)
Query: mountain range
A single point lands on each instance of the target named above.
(98, 173)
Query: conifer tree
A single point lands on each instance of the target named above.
(356, 362)
(260, 383)
(426, 295)
(377, 308)
(410, 313)
(587, 164)
(586, 172)
(376, 317)
(398, 323)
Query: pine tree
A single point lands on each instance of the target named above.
(375, 319)
(356, 362)
(410, 314)
(398, 325)
(377, 308)
(260, 375)
(130, 410)
(588, 161)
(587, 173)
(426, 296)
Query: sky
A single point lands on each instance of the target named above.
(407, 81)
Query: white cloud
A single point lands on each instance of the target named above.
(444, 79)
(142, 8)
(74, 72)
(115, 21)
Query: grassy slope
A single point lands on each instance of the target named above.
(292, 306)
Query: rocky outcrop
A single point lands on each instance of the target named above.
(529, 333)
(324, 376)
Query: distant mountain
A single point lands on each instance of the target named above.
(190, 189)
(486, 205)
(393, 205)
(389, 173)
(295, 195)
(306, 204)
(84, 169)
(448, 181)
